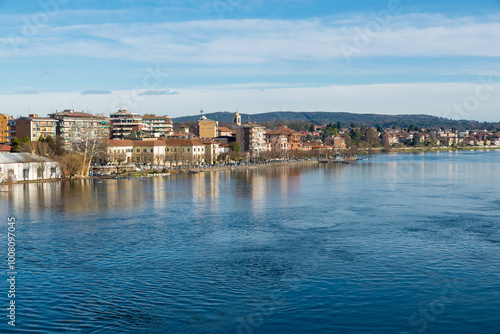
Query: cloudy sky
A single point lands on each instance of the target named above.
(175, 57)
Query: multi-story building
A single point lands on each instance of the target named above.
(150, 151)
(35, 127)
(119, 151)
(4, 128)
(337, 142)
(157, 126)
(123, 123)
(251, 137)
(225, 132)
(294, 138)
(11, 130)
(185, 150)
(207, 128)
(276, 140)
(75, 127)
(211, 151)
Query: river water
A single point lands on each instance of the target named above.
(397, 243)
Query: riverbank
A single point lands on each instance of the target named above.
(183, 170)
(423, 149)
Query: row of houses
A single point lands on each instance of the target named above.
(160, 151)
(446, 138)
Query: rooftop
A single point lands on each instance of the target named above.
(20, 158)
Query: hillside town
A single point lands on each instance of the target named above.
(70, 143)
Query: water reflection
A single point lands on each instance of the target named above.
(338, 244)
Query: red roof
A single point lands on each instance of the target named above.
(149, 143)
(4, 148)
(116, 142)
(183, 142)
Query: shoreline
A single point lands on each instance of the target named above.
(194, 170)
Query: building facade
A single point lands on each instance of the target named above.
(76, 127)
(35, 127)
(4, 128)
(207, 128)
(26, 167)
(276, 140)
(157, 126)
(251, 137)
(123, 123)
(187, 151)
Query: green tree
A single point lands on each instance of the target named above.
(235, 147)
(311, 128)
(416, 140)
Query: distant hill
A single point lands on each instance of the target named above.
(321, 118)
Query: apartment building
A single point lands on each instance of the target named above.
(157, 126)
(123, 123)
(251, 137)
(276, 140)
(75, 127)
(4, 128)
(35, 127)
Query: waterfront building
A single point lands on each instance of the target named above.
(149, 151)
(337, 142)
(77, 127)
(211, 151)
(294, 138)
(26, 167)
(251, 137)
(276, 140)
(118, 151)
(185, 151)
(35, 127)
(123, 123)
(157, 126)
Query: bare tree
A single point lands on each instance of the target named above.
(88, 144)
(26, 147)
(71, 163)
(42, 149)
(119, 158)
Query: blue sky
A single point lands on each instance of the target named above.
(177, 56)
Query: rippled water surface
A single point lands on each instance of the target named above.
(398, 243)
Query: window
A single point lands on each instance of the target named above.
(144, 150)
(151, 150)
(52, 171)
(26, 173)
(39, 172)
(138, 150)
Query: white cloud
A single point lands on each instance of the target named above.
(257, 41)
(424, 98)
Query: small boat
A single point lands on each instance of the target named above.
(193, 172)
